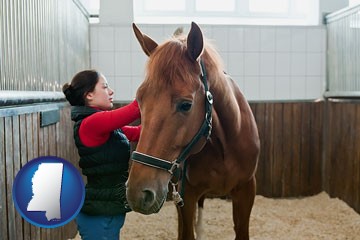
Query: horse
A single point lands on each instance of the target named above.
(198, 134)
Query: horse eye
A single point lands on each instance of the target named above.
(184, 106)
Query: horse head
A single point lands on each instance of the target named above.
(171, 99)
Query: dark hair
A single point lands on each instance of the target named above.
(81, 84)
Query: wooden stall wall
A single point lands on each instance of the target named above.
(306, 148)
(342, 155)
(309, 147)
(22, 139)
(291, 135)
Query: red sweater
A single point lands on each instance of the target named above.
(95, 129)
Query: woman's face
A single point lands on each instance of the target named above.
(102, 96)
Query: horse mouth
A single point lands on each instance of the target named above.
(147, 205)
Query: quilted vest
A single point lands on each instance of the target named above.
(106, 168)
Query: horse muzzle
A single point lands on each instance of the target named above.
(146, 200)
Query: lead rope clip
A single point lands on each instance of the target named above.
(176, 196)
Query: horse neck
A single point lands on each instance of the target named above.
(227, 103)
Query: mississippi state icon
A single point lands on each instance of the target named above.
(48, 192)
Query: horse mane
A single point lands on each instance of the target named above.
(170, 62)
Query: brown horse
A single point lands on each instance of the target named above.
(185, 90)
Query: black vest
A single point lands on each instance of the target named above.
(106, 168)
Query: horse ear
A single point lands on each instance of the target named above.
(195, 42)
(147, 44)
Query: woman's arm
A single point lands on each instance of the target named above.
(96, 128)
(132, 132)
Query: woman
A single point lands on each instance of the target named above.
(102, 138)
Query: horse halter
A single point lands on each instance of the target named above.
(204, 131)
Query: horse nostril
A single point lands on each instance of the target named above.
(149, 198)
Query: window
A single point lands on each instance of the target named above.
(92, 7)
(264, 12)
(164, 5)
(213, 5)
(275, 6)
(354, 2)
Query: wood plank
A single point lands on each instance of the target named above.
(328, 147)
(356, 183)
(268, 145)
(49, 233)
(277, 161)
(3, 197)
(340, 157)
(35, 231)
(23, 160)
(56, 232)
(17, 165)
(342, 160)
(30, 155)
(305, 148)
(332, 138)
(296, 149)
(9, 177)
(287, 143)
(317, 146)
(335, 155)
(349, 148)
(42, 141)
(59, 136)
(29, 137)
(258, 111)
(69, 230)
(44, 147)
(71, 150)
(52, 140)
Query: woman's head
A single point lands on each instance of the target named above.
(89, 88)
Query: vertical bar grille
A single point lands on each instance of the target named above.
(343, 59)
(42, 44)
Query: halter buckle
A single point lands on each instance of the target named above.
(209, 97)
(174, 166)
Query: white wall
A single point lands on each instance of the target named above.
(354, 2)
(268, 63)
(329, 6)
(116, 11)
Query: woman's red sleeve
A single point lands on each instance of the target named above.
(132, 132)
(96, 128)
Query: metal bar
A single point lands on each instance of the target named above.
(346, 94)
(1, 47)
(6, 42)
(341, 13)
(343, 55)
(42, 43)
(81, 8)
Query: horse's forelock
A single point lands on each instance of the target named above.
(170, 63)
